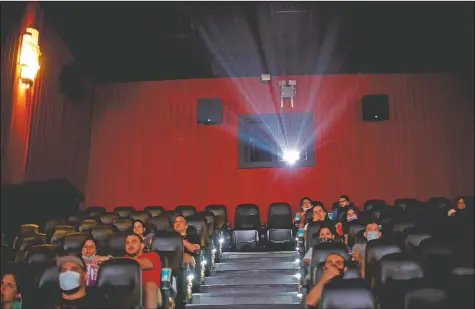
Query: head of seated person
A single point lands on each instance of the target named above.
(72, 281)
(11, 297)
(180, 225)
(372, 232)
(305, 204)
(139, 228)
(325, 235)
(319, 213)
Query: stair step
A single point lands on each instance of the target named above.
(263, 259)
(261, 306)
(256, 278)
(289, 298)
(253, 273)
(249, 289)
(270, 254)
(259, 265)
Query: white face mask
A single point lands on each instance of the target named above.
(69, 280)
(372, 235)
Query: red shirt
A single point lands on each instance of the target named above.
(155, 273)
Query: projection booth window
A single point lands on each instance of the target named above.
(276, 140)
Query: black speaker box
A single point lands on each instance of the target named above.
(210, 111)
(375, 107)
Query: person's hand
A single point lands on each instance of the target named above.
(329, 273)
(358, 257)
(307, 261)
(451, 212)
(99, 259)
(188, 259)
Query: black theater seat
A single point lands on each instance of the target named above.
(320, 253)
(74, 220)
(426, 298)
(101, 235)
(461, 287)
(109, 217)
(347, 294)
(437, 260)
(353, 272)
(140, 215)
(210, 219)
(72, 243)
(50, 225)
(279, 224)
(220, 215)
(172, 214)
(87, 224)
(186, 210)
(120, 281)
(116, 245)
(154, 211)
(375, 206)
(403, 204)
(124, 224)
(60, 231)
(28, 230)
(376, 250)
(199, 223)
(48, 291)
(161, 223)
(312, 234)
(94, 211)
(247, 223)
(124, 211)
(42, 254)
(440, 204)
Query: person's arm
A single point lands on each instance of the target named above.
(191, 247)
(150, 261)
(316, 292)
(308, 256)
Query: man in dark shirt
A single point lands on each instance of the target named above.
(72, 280)
(190, 241)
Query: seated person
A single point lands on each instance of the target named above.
(319, 214)
(305, 204)
(92, 260)
(11, 292)
(325, 234)
(460, 206)
(151, 269)
(343, 202)
(72, 281)
(140, 229)
(190, 242)
(372, 232)
(334, 267)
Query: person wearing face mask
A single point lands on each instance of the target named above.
(72, 281)
(333, 268)
(305, 204)
(372, 232)
(92, 260)
(325, 234)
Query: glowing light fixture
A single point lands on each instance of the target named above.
(290, 156)
(29, 57)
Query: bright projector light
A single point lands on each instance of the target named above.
(290, 156)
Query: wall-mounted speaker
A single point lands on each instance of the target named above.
(210, 111)
(375, 107)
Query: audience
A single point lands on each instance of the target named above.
(140, 229)
(151, 269)
(92, 260)
(11, 292)
(190, 242)
(305, 204)
(334, 267)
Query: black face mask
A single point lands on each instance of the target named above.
(324, 240)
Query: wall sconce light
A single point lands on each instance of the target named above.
(29, 57)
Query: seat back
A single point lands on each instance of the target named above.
(347, 294)
(50, 225)
(403, 204)
(312, 234)
(354, 228)
(398, 267)
(140, 215)
(201, 225)
(375, 205)
(186, 210)
(124, 224)
(209, 216)
(94, 211)
(74, 220)
(116, 244)
(322, 250)
(169, 244)
(427, 298)
(42, 253)
(154, 211)
(279, 216)
(87, 224)
(172, 214)
(23, 243)
(101, 235)
(377, 249)
(247, 217)
(109, 217)
(48, 290)
(72, 243)
(124, 211)
(120, 281)
(220, 215)
(60, 231)
(28, 230)
(161, 223)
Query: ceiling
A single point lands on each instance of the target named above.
(129, 41)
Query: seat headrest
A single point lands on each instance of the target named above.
(124, 211)
(103, 232)
(117, 241)
(405, 203)
(154, 211)
(123, 224)
(375, 205)
(50, 275)
(140, 215)
(347, 294)
(87, 225)
(209, 215)
(425, 298)
(64, 228)
(279, 209)
(186, 210)
(161, 223)
(247, 210)
(463, 271)
(74, 241)
(354, 228)
(53, 223)
(42, 253)
(167, 241)
(94, 211)
(197, 221)
(218, 210)
(416, 239)
(29, 229)
(398, 266)
(402, 226)
(322, 250)
(108, 217)
(376, 249)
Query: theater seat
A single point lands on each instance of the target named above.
(375, 205)
(320, 253)
(312, 234)
(353, 272)
(72, 243)
(426, 298)
(101, 234)
(74, 220)
(439, 203)
(154, 211)
(124, 211)
(209, 216)
(172, 214)
(50, 225)
(220, 215)
(279, 224)
(186, 210)
(28, 230)
(247, 223)
(120, 281)
(94, 211)
(161, 223)
(377, 249)
(199, 223)
(123, 224)
(347, 294)
(403, 204)
(116, 245)
(60, 231)
(437, 260)
(461, 287)
(140, 215)
(48, 291)
(42, 254)
(87, 224)
(109, 217)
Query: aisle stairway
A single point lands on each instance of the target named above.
(257, 280)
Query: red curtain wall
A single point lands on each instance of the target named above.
(147, 149)
(44, 135)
